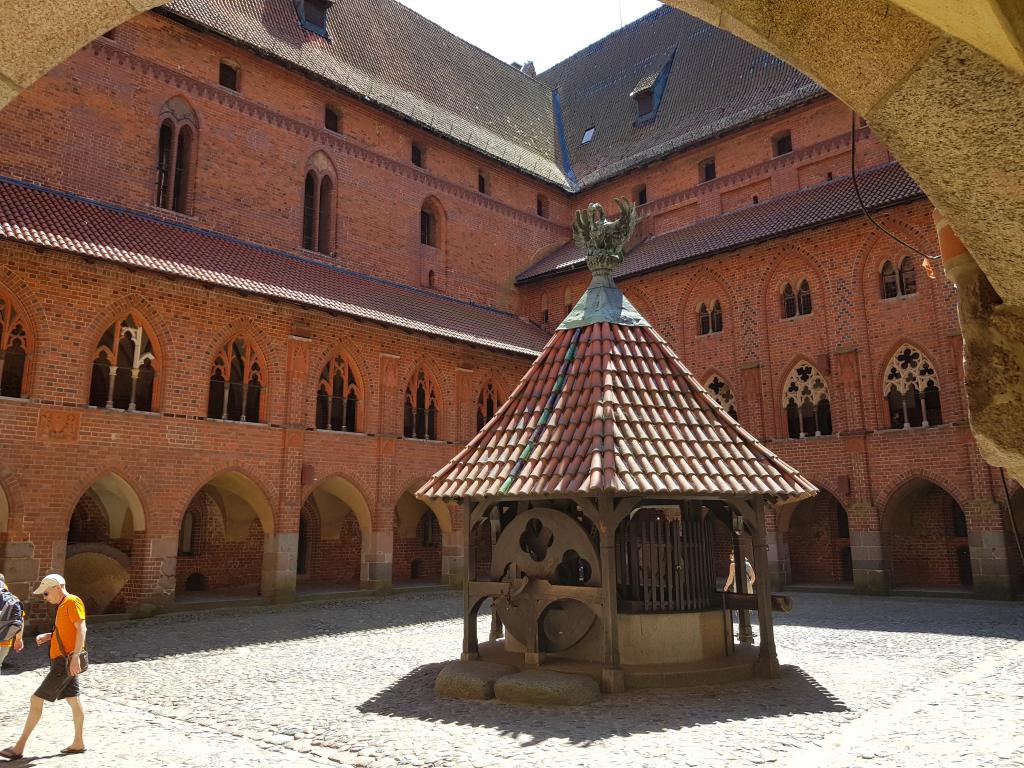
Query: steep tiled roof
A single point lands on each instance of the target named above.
(610, 408)
(392, 56)
(882, 186)
(717, 83)
(39, 216)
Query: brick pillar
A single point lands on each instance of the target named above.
(453, 552)
(280, 559)
(751, 401)
(871, 573)
(378, 549)
(990, 556)
(153, 568)
(847, 390)
(465, 405)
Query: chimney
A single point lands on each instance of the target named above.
(529, 69)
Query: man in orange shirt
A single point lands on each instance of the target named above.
(67, 642)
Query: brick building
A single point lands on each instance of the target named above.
(264, 267)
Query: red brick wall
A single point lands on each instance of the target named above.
(814, 543)
(331, 561)
(921, 543)
(409, 549)
(222, 563)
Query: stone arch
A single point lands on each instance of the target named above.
(240, 380)
(899, 483)
(925, 536)
(792, 266)
(334, 525)
(106, 529)
(806, 407)
(232, 549)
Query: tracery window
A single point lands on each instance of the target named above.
(721, 392)
(176, 156)
(703, 320)
(421, 408)
(318, 205)
(14, 349)
(237, 383)
(124, 368)
(911, 389)
(805, 400)
(487, 404)
(338, 396)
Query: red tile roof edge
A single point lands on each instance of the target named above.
(22, 229)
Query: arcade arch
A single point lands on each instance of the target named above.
(420, 529)
(104, 530)
(816, 532)
(924, 532)
(225, 540)
(333, 524)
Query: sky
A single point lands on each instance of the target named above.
(542, 31)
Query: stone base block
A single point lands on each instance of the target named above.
(870, 582)
(547, 688)
(470, 679)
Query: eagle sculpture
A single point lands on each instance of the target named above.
(604, 240)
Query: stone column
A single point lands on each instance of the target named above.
(378, 550)
(990, 555)
(871, 573)
(280, 559)
(154, 564)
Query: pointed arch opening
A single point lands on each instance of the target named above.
(226, 530)
(15, 349)
(788, 301)
(237, 383)
(105, 532)
(703, 320)
(925, 534)
(803, 298)
(177, 140)
(487, 404)
(818, 540)
(805, 402)
(339, 396)
(318, 204)
(422, 407)
(418, 535)
(125, 366)
(716, 317)
(911, 390)
(333, 523)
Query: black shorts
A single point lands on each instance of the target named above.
(58, 684)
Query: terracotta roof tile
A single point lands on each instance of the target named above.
(881, 187)
(39, 216)
(608, 448)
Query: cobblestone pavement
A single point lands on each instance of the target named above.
(866, 682)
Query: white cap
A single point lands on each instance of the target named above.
(49, 582)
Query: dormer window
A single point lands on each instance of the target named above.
(588, 135)
(644, 104)
(313, 15)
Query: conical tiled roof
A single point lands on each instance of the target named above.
(608, 407)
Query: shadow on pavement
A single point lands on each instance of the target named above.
(625, 714)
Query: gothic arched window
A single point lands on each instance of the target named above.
(421, 408)
(803, 299)
(318, 205)
(487, 404)
(908, 277)
(125, 368)
(911, 389)
(805, 400)
(14, 349)
(237, 383)
(890, 281)
(176, 156)
(788, 301)
(716, 317)
(703, 320)
(720, 390)
(338, 396)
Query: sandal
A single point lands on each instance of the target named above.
(71, 751)
(10, 754)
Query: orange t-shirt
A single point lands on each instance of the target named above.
(71, 610)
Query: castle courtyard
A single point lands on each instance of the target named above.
(866, 681)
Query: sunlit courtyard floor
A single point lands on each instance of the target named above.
(866, 681)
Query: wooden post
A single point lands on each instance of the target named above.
(746, 634)
(768, 660)
(470, 648)
(612, 678)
